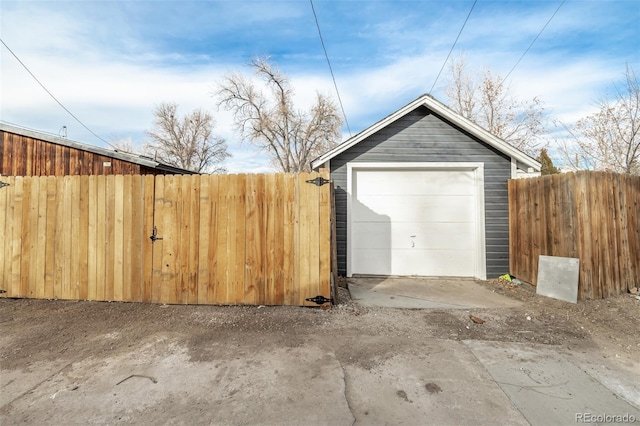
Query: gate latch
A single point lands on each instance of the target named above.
(319, 300)
(3, 184)
(319, 181)
(154, 235)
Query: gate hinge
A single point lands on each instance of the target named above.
(154, 235)
(3, 184)
(319, 300)
(319, 181)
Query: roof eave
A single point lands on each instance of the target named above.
(480, 133)
(440, 109)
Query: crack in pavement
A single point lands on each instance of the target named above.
(346, 390)
(37, 385)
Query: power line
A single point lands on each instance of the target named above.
(454, 45)
(51, 94)
(534, 40)
(330, 68)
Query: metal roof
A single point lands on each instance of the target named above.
(125, 156)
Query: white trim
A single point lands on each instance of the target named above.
(448, 114)
(514, 168)
(478, 169)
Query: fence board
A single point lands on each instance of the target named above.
(183, 209)
(229, 219)
(324, 243)
(240, 241)
(26, 236)
(58, 232)
(170, 232)
(593, 216)
(204, 230)
(269, 225)
(290, 248)
(101, 237)
(306, 230)
(16, 237)
(71, 235)
(49, 237)
(222, 219)
(110, 211)
(127, 230)
(312, 206)
(118, 239)
(584, 234)
(146, 246)
(83, 238)
(194, 228)
(157, 246)
(213, 239)
(278, 239)
(92, 252)
(138, 237)
(4, 247)
(13, 228)
(33, 240)
(227, 239)
(254, 287)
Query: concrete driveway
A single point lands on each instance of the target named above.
(425, 293)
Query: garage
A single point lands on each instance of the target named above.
(410, 219)
(423, 192)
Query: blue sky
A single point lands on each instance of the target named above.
(111, 62)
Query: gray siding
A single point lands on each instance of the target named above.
(421, 136)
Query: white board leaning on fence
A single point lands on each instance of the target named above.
(558, 278)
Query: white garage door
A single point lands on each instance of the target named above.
(414, 222)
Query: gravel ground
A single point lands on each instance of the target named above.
(40, 329)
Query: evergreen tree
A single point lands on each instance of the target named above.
(547, 164)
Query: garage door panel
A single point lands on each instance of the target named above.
(448, 236)
(380, 235)
(419, 208)
(373, 261)
(415, 262)
(375, 235)
(422, 182)
(457, 263)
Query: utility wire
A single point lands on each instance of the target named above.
(326, 55)
(51, 94)
(454, 45)
(534, 40)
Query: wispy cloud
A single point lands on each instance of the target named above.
(111, 62)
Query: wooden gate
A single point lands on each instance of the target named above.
(200, 239)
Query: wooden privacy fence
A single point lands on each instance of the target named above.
(592, 216)
(199, 239)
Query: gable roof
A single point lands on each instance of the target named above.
(124, 156)
(443, 111)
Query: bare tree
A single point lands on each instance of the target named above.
(186, 142)
(610, 138)
(268, 119)
(488, 102)
(123, 145)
